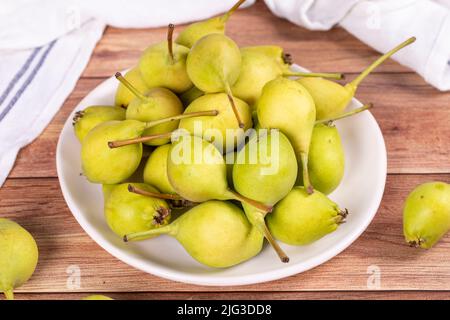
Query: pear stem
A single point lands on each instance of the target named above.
(182, 116)
(170, 42)
(156, 195)
(130, 87)
(306, 182)
(256, 204)
(9, 294)
(347, 114)
(379, 61)
(233, 105)
(121, 143)
(337, 76)
(236, 6)
(283, 256)
(137, 236)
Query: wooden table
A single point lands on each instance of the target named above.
(414, 118)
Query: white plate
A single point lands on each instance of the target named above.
(361, 191)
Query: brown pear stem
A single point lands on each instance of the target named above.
(182, 116)
(121, 143)
(283, 256)
(233, 106)
(236, 6)
(337, 76)
(346, 114)
(256, 204)
(306, 182)
(156, 195)
(130, 87)
(170, 42)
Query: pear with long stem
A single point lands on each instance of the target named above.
(331, 98)
(214, 64)
(124, 96)
(195, 31)
(164, 65)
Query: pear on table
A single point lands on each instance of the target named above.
(331, 98)
(127, 212)
(426, 214)
(87, 119)
(301, 218)
(265, 170)
(213, 65)
(18, 256)
(195, 31)
(123, 94)
(215, 233)
(164, 65)
(286, 105)
(221, 130)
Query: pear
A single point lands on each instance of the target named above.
(92, 116)
(127, 212)
(265, 171)
(261, 65)
(104, 165)
(18, 256)
(164, 65)
(155, 170)
(287, 105)
(301, 218)
(215, 233)
(198, 172)
(332, 98)
(123, 94)
(190, 95)
(156, 104)
(214, 64)
(194, 32)
(97, 297)
(426, 214)
(221, 130)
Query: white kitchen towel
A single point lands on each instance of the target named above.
(46, 44)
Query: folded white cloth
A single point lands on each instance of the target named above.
(46, 44)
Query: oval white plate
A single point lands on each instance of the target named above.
(361, 191)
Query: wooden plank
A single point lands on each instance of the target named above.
(413, 116)
(38, 205)
(330, 51)
(324, 295)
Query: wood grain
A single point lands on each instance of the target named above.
(37, 204)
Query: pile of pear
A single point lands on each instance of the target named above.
(202, 77)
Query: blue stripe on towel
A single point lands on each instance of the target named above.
(27, 81)
(19, 74)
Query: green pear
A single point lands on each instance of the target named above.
(195, 31)
(104, 165)
(127, 212)
(221, 130)
(332, 98)
(260, 65)
(18, 256)
(326, 161)
(301, 218)
(287, 105)
(426, 214)
(214, 64)
(123, 94)
(215, 233)
(164, 65)
(97, 297)
(190, 95)
(198, 172)
(92, 116)
(265, 171)
(155, 170)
